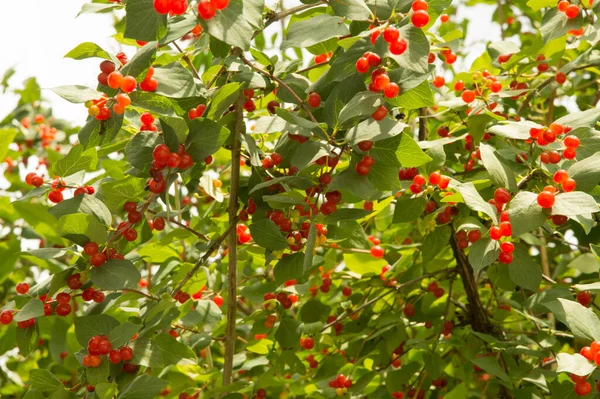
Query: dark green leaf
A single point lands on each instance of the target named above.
(266, 234)
(115, 275)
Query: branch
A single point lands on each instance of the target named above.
(479, 318)
(383, 295)
(422, 124)
(232, 245)
(291, 11)
(183, 226)
(213, 247)
(282, 84)
(187, 60)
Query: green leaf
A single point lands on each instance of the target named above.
(351, 9)
(262, 347)
(582, 321)
(536, 5)
(575, 364)
(293, 181)
(139, 149)
(143, 387)
(178, 27)
(500, 173)
(417, 97)
(585, 263)
(152, 102)
(89, 50)
(266, 234)
(491, 365)
(88, 326)
(175, 81)
(401, 150)
(106, 390)
(523, 271)
(408, 209)
(87, 204)
(362, 263)
(514, 130)
(372, 130)
(483, 253)
(524, 209)
(415, 56)
(361, 105)
(586, 118)
(556, 24)
(222, 100)
(474, 201)
(44, 381)
(235, 24)
(289, 268)
(77, 94)
(307, 153)
(345, 214)
(314, 311)
(27, 339)
(308, 32)
(6, 137)
(352, 182)
(32, 309)
(115, 275)
(117, 192)
(33, 394)
(96, 132)
(81, 228)
(205, 312)
(123, 333)
(142, 22)
(574, 204)
(173, 351)
(76, 160)
(205, 138)
(586, 173)
(288, 334)
(435, 242)
(96, 375)
(384, 178)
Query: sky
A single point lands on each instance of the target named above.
(36, 45)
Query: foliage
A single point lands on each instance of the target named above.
(353, 222)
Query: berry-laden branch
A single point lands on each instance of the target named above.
(384, 294)
(282, 84)
(232, 244)
(212, 248)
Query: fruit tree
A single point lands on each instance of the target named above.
(339, 207)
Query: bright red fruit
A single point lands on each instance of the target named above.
(420, 18)
(391, 34)
(377, 251)
(206, 9)
(22, 288)
(314, 100)
(545, 199)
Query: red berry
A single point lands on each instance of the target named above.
(391, 34)
(505, 257)
(571, 12)
(545, 199)
(63, 309)
(495, 233)
(419, 5)
(114, 356)
(560, 77)
(582, 388)
(90, 248)
(22, 288)
(314, 100)
(585, 299)
(162, 6)
(98, 259)
(220, 4)
(218, 300)
(74, 281)
(420, 18)
(55, 196)
(468, 96)
(107, 67)
(391, 90)
(398, 47)
(362, 65)
(6, 317)
(439, 81)
(507, 247)
(206, 9)
(381, 113)
(569, 185)
(377, 251)
(560, 176)
(572, 142)
(159, 223)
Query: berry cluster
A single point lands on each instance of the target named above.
(570, 10)
(464, 238)
(174, 7)
(98, 346)
(207, 9)
(546, 136)
(437, 291)
(420, 17)
(363, 167)
(284, 298)
(341, 384)
(312, 362)
(197, 112)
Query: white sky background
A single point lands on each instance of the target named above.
(36, 45)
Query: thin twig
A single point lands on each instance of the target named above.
(232, 244)
(183, 226)
(187, 60)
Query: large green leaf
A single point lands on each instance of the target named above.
(266, 234)
(143, 387)
(308, 32)
(139, 149)
(205, 138)
(75, 161)
(81, 228)
(586, 173)
(500, 173)
(77, 94)
(575, 364)
(87, 204)
(88, 326)
(523, 271)
(32, 309)
(115, 274)
(89, 50)
(582, 321)
(142, 22)
(44, 380)
(117, 192)
(525, 213)
(289, 268)
(483, 253)
(175, 81)
(351, 9)
(574, 204)
(235, 24)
